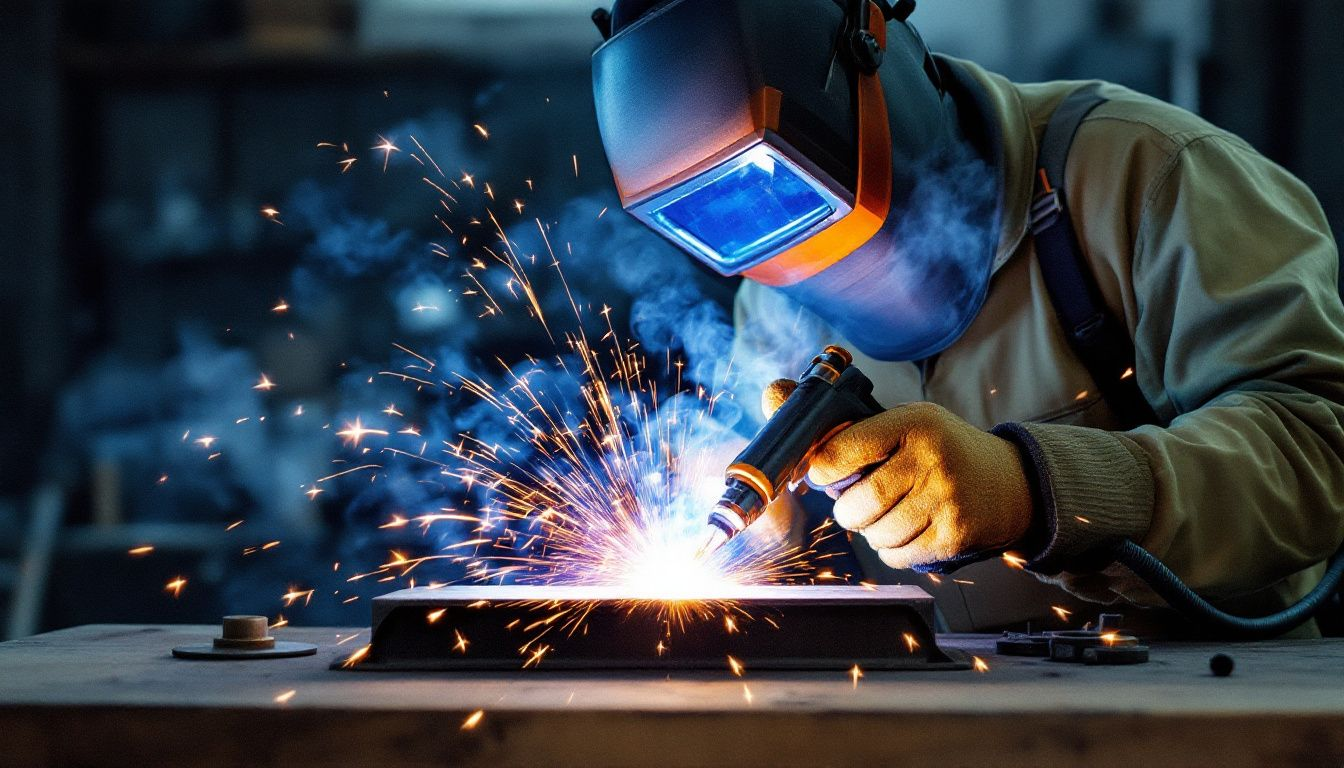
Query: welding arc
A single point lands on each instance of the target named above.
(1182, 598)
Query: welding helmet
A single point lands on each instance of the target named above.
(773, 139)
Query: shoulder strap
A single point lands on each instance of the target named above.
(1098, 338)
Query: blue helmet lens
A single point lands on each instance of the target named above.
(743, 210)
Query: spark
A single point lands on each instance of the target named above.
(1082, 519)
(473, 720)
(265, 384)
(206, 442)
(1081, 395)
(1110, 638)
(575, 158)
(1128, 372)
(855, 674)
(616, 474)
(233, 525)
(272, 214)
(140, 551)
(1062, 613)
(355, 657)
(746, 694)
(434, 616)
(387, 148)
(294, 595)
(979, 664)
(911, 644)
(350, 471)
(1015, 560)
(735, 666)
(280, 621)
(313, 492)
(280, 307)
(535, 658)
(286, 696)
(481, 130)
(175, 586)
(354, 433)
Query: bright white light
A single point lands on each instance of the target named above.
(670, 570)
(761, 157)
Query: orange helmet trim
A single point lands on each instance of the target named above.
(872, 197)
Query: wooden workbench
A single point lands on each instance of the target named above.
(112, 695)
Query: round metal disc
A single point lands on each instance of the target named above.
(208, 652)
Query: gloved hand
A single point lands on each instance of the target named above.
(923, 486)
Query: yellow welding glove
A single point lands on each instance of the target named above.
(923, 486)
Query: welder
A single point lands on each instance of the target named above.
(1092, 316)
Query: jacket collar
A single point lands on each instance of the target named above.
(991, 106)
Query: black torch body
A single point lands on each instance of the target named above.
(831, 394)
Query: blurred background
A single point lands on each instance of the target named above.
(179, 217)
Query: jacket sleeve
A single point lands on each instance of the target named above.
(1239, 332)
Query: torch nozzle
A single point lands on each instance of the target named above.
(715, 538)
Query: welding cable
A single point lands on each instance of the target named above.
(1179, 596)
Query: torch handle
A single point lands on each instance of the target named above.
(815, 410)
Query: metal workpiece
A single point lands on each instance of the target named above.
(244, 637)
(513, 627)
(831, 394)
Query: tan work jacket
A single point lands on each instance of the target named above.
(1223, 266)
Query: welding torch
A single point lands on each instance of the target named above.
(831, 395)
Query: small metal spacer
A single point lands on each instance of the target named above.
(245, 637)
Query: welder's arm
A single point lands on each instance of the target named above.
(1239, 333)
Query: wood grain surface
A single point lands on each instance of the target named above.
(112, 695)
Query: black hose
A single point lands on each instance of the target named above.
(1182, 598)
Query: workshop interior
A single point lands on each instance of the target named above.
(520, 337)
